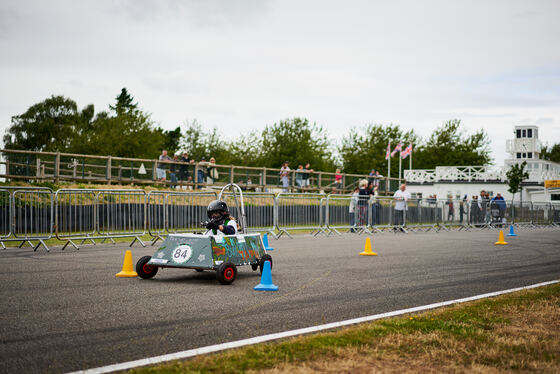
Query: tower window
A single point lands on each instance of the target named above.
(530, 155)
(518, 155)
(518, 133)
(524, 155)
(529, 133)
(524, 133)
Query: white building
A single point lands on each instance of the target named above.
(459, 181)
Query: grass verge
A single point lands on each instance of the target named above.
(518, 332)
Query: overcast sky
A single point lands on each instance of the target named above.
(241, 65)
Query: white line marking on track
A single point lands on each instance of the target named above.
(287, 334)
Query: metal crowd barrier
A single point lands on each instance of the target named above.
(122, 213)
(519, 213)
(75, 215)
(479, 214)
(421, 216)
(30, 214)
(27, 214)
(541, 214)
(382, 214)
(99, 215)
(348, 213)
(454, 213)
(259, 210)
(555, 221)
(176, 212)
(300, 211)
(5, 216)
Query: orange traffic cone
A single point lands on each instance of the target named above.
(127, 269)
(501, 239)
(367, 249)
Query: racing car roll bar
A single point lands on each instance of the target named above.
(242, 218)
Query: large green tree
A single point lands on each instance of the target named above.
(551, 153)
(247, 150)
(201, 143)
(448, 145)
(365, 149)
(50, 125)
(55, 124)
(172, 140)
(125, 131)
(298, 141)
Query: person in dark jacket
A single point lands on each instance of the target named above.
(462, 205)
(499, 203)
(363, 197)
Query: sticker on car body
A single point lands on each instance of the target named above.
(181, 254)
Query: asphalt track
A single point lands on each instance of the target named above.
(66, 311)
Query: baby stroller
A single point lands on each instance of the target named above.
(496, 215)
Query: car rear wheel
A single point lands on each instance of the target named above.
(144, 270)
(265, 258)
(227, 272)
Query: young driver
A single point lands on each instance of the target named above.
(220, 222)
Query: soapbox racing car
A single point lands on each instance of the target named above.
(209, 252)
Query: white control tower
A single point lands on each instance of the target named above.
(526, 146)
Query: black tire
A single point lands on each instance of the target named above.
(263, 260)
(144, 270)
(255, 266)
(226, 273)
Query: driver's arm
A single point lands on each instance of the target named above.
(227, 229)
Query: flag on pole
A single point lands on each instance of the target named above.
(397, 148)
(388, 154)
(407, 151)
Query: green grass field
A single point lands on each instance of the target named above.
(517, 332)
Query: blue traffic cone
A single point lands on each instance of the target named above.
(511, 232)
(265, 242)
(266, 280)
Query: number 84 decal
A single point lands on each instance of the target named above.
(181, 254)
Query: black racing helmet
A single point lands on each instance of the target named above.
(219, 207)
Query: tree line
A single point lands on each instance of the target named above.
(125, 130)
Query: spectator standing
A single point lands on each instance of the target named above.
(213, 173)
(338, 182)
(450, 208)
(162, 166)
(307, 175)
(202, 171)
(401, 198)
(352, 209)
(462, 204)
(184, 169)
(190, 183)
(299, 176)
(500, 204)
(363, 197)
(285, 176)
(484, 206)
(475, 210)
(374, 210)
(371, 176)
(377, 178)
(172, 173)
